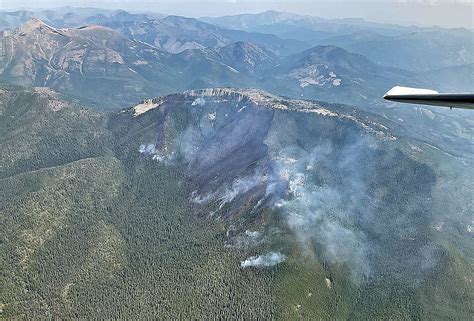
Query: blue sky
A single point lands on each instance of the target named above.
(447, 13)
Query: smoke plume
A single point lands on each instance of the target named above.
(266, 260)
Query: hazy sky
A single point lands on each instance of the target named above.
(447, 13)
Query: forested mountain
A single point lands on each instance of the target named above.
(225, 203)
(331, 73)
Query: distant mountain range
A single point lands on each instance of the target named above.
(171, 33)
(75, 60)
(412, 48)
(406, 47)
(175, 34)
(417, 51)
(70, 17)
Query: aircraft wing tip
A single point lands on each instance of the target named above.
(401, 91)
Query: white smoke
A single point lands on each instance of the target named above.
(200, 101)
(266, 260)
(189, 142)
(247, 240)
(151, 150)
(320, 212)
(239, 186)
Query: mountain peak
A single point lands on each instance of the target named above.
(243, 45)
(94, 27)
(202, 96)
(249, 48)
(327, 48)
(257, 96)
(332, 53)
(35, 24)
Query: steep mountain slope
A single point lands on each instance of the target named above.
(348, 191)
(238, 64)
(333, 74)
(87, 235)
(94, 62)
(227, 203)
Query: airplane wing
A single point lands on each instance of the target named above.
(429, 97)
